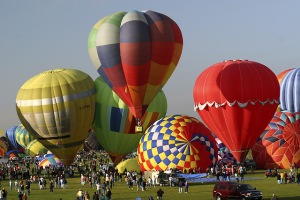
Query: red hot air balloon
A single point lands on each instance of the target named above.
(236, 99)
(135, 53)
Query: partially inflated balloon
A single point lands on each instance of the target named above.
(114, 124)
(236, 99)
(12, 140)
(279, 78)
(91, 142)
(177, 141)
(289, 91)
(135, 53)
(57, 107)
(224, 155)
(34, 148)
(279, 145)
(23, 137)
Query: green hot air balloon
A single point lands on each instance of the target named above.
(57, 107)
(23, 137)
(114, 124)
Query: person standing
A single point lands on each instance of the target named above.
(278, 178)
(95, 196)
(186, 187)
(16, 184)
(51, 185)
(87, 196)
(108, 193)
(170, 180)
(180, 185)
(79, 195)
(10, 184)
(24, 197)
(159, 194)
(150, 182)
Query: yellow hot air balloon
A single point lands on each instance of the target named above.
(34, 148)
(57, 107)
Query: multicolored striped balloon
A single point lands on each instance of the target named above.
(279, 145)
(177, 141)
(224, 155)
(12, 140)
(23, 137)
(135, 53)
(114, 124)
(50, 160)
(57, 107)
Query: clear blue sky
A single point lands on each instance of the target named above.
(41, 35)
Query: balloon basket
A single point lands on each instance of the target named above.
(138, 129)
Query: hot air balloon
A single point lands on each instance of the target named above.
(135, 53)
(236, 99)
(177, 141)
(23, 137)
(11, 139)
(279, 78)
(289, 91)
(279, 145)
(57, 107)
(91, 142)
(114, 124)
(35, 148)
(224, 155)
(50, 160)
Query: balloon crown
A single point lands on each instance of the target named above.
(53, 71)
(235, 60)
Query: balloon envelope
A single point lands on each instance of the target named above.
(279, 145)
(135, 53)
(289, 91)
(57, 107)
(91, 142)
(177, 141)
(279, 78)
(129, 164)
(50, 160)
(12, 140)
(236, 99)
(35, 148)
(23, 137)
(114, 124)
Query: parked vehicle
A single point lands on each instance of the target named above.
(233, 190)
(27, 159)
(3, 159)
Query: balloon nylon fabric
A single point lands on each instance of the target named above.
(114, 124)
(135, 53)
(236, 99)
(290, 90)
(57, 107)
(279, 145)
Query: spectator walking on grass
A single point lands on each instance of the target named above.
(160, 194)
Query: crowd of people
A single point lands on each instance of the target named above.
(96, 173)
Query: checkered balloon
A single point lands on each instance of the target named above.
(177, 141)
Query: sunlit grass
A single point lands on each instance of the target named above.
(196, 191)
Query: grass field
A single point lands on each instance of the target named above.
(196, 190)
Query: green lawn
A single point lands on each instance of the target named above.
(196, 191)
